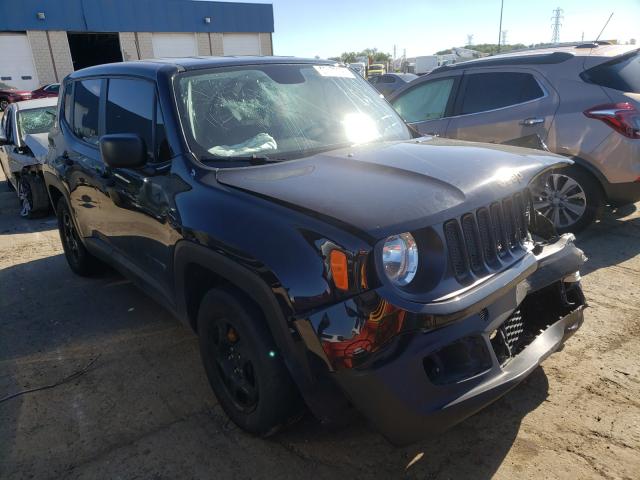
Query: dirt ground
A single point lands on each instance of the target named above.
(144, 408)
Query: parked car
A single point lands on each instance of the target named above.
(582, 102)
(46, 91)
(10, 95)
(375, 69)
(390, 82)
(23, 148)
(283, 211)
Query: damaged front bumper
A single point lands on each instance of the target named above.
(458, 355)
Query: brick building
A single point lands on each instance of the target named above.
(42, 41)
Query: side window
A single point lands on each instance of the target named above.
(53, 88)
(488, 91)
(68, 97)
(130, 105)
(427, 101)
(86, 109)
(163, 151)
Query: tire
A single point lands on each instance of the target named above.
(244, 369)
(79, 259)
(579, 198)
(33, 195)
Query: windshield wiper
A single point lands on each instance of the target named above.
(250, 159)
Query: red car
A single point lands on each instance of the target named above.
(11, 95)
(49, 90)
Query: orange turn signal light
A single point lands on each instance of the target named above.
(339, 270)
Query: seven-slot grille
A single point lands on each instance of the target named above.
(479, 239)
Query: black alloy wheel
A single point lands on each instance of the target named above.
(234, 365)
(78, 258)
(245, 369)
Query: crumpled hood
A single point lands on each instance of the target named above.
(391, 188)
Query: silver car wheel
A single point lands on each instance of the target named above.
(561, 199)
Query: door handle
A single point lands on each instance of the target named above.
(528, 122)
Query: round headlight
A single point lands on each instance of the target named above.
(400, 258)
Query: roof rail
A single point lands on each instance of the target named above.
(533, 59)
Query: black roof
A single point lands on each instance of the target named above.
(526, 58)
(152, 67)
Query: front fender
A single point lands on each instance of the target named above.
(322, 398)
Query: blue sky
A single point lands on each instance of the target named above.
(330, 27)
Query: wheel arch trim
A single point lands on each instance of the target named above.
(293, 353)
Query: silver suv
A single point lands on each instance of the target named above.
(582, 102)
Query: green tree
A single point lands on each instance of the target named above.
(348, 57)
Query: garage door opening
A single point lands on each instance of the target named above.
(88, 49)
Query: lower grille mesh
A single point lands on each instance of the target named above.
(512, 330)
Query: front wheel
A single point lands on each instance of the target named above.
(243, 365)
(571, 198)
(33, 196)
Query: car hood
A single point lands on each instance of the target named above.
(39, 145)
(389, 188)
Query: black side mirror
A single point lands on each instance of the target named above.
(123, 150)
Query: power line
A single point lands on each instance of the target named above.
(557, 23)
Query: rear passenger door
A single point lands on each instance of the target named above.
(428, 104)
(83, 169)
(513, 107)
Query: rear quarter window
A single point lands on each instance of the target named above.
(68, 105)
(622, 73)
(86, 109)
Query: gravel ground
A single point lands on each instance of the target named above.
(144, 408)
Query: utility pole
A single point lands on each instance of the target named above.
(557, 23)
(394, 52)
(504, 37)
(500, 27)
(469, 39)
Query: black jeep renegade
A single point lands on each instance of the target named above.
(322, 252)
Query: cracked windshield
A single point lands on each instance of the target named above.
(38, 120)
(283, 111)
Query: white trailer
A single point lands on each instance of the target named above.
(426, 64)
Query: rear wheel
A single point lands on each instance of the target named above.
(78, 258)
(571, 198)
(244, 369)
